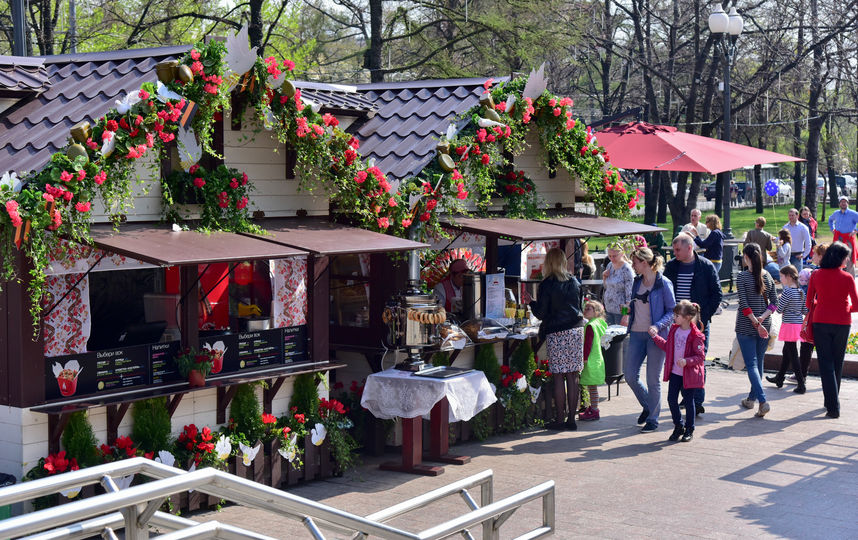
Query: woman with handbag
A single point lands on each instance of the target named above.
(651, 308)
(832, 296)
(757, 301)
(558, 306)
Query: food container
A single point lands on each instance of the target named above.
(252, 324)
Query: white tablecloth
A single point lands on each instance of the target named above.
(395, 393)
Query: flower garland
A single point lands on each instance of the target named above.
(222, 193)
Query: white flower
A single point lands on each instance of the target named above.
(248, 453)
(166, 458)
(521, 384)
(223, 448)
(318, 434)
(70, 493)
(109, 144)
(534, 393)
(10, 178)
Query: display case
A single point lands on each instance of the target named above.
(350, 291)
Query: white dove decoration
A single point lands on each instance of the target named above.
(534, 393)
(485, 123)
(165, 93)
(166, 458)
(223, 448)
(124, 105)
(510, 104)
(189, 149)
(247, 453)
(290, 450)
(70, 493)
(10, 178)
(536, 83)
(239, 56)
(318, 434)
(521, 384)
(108, 145)
(312, 104)
(451, 131)
(124, 482)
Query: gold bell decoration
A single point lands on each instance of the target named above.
(167, 71)
(76, 150)
(487, 101)
(443, 147)
(185, 74)
(491, 114)
(287, 88)
(81, 131)
(446, 162)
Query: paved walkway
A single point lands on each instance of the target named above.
(793, 474)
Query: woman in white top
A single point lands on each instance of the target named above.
(784, 247)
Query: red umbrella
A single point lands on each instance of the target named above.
(649, 147)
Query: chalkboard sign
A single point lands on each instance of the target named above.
(164, 368)
(295, 344)
(227, 347)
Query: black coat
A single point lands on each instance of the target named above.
(558, 304)
(705, 286)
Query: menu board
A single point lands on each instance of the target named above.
(101, 371)
(260, 348)
(295, 344)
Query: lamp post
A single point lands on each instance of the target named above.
(726, 27)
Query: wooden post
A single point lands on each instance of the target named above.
(318, 307)
(189, 315)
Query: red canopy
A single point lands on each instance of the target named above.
(638, 145)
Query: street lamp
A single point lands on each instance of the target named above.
(726, 28)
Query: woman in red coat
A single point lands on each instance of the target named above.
(832, 296)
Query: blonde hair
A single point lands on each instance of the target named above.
(646, 255)
(555, 265)
(597, 308)
(713, 221)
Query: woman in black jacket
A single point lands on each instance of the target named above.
(558, 306)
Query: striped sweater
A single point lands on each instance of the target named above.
(791, 305)
(757, 303)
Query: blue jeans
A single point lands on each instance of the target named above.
(674, 388)
(753, 351)
(796, 261)
(717, 266)
(642, 347)
(773, 270)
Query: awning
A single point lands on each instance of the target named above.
(517, 230)
(602, 226)
(161, 245)
(321, 237)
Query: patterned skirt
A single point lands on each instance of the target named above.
(566, 350)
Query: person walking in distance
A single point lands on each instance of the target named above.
(801, 242)
(842, 223)
(694, 279)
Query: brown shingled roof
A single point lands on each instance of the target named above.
(411, 118)
(22, 75)
(82, 87)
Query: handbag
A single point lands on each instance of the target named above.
(806, 333)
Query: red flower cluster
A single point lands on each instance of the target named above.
(12, 210)
(57, 463)
(196, 441)
(326, 407)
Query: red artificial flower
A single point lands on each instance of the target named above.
(111, 125)
(426, 216)
(65, 176)
(383, 223)
(392, 202)
(457, 175)
(289, 65)
(83, 207)
(268, 418)
(233, 183)
(330, 120)
(488, 84)
(406, 223)
(486, 159)
(195, 55)
(300, 418)
(360, 178)
(481, 135)
(199, 182)
(557, 111)
(431, 204)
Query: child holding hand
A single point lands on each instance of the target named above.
(683, 366)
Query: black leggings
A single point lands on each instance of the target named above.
(789, 359)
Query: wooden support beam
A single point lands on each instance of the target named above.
(224, 397)
(173, 403)
(268, 394)
(56, 425)
(115, 414)
(189, 313)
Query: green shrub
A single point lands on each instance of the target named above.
(245, 413)
(522, 359)
(487, 362)
(152, 426)
(305, 395)
(79, 440)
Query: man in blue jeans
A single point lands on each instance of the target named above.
(694, 279)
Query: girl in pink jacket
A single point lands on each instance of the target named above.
(683, 366)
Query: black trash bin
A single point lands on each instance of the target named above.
(5, 481)
(613, 357)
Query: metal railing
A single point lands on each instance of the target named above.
(135, 508)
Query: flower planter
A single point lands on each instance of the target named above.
(274, 469)
(196, 379)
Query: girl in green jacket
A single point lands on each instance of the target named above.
(594, 366)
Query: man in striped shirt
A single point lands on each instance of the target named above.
(694, 278)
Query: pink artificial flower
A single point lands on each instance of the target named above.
(552, 102)
(488, 84)
(557, 111)
(81, 175)
(143, 95)
(392, 202)
(383, 223)
(83, 207)
(406, 223)
(195, 55)
(481, 135)
(360, 178)
(66, 177)
(330, 120)
(457, 175)
(289, 65)
(100, 177)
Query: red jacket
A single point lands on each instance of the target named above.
(833, 291)
(693, 375)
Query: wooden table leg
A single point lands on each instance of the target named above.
(412, 451)
(439, 436)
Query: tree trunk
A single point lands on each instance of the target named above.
(797, 177)
(758, 187)
(663, 195)
(650, 198)
(372, 56)
(815, 122)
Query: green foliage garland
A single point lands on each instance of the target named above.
(223, 195)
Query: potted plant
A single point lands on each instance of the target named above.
(195, 365)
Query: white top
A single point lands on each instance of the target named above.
(393, 393)
(702, 229)
(800, 235)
